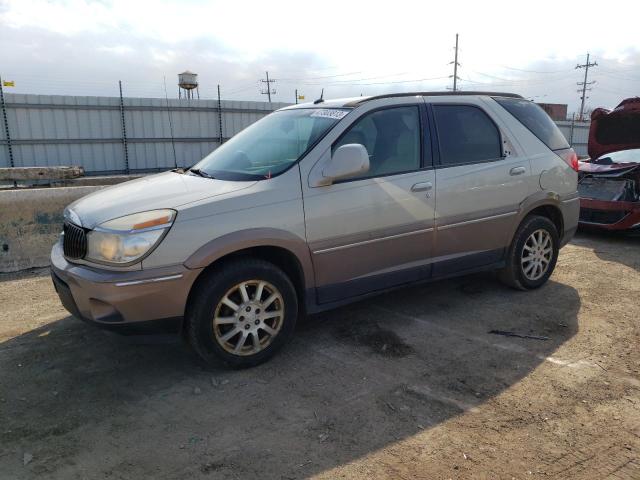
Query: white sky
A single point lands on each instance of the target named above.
(349, 48)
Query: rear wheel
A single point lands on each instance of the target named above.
(242, 314)
(532, 255)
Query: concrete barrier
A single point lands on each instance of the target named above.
(40, 173)
(30, 223)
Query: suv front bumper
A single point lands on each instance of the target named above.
(125, 300)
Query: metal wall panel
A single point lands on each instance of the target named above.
(49, 130)
(579, 138)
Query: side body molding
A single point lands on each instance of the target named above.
(254, 237)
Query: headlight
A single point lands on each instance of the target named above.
(127, 239)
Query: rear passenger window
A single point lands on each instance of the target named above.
(391, 137)
(536, 120)
(466, 135)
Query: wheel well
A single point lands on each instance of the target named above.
(280, 257)
(553, 214)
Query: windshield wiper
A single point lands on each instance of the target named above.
(200, 173)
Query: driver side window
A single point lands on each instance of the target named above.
(391, 137)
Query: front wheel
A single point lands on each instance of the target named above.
(242, 314)
(532, 255)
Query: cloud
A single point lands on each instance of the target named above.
(348, 48)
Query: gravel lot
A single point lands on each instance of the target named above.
(406, 385)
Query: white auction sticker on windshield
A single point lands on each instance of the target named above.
(329, 113)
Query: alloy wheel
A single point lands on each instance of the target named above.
(248, 317)
(537, 254)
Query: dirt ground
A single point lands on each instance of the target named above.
(407, 385)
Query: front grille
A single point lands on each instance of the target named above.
(75, 241)
(606, 217)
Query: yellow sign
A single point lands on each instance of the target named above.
(300, 97)
(8, 83)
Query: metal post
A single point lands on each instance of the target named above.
(220, 116)
(296, 96)
(124, 131)
(573, 122)
(6, 126)
(173, 141)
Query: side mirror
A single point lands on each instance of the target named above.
(347, 161)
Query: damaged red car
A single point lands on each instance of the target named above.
(609, 182)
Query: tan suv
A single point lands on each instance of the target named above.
(321, 204)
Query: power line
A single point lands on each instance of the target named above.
(584, 84)
(320, 78)
(617, 76)
(621, 66)
(414, 80)
(534, 71)
(515, 83)
(338, 82)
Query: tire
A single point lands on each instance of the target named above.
(526, 275)
(235, 298)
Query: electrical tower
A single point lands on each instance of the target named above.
(584, 84)
(268, 91)
(455, 68)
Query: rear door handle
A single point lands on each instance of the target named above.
(422, 187)
(517, 171)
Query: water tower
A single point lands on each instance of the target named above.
(187, 83)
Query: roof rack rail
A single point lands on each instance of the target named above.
(360, 101)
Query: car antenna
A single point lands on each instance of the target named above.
(320, 100)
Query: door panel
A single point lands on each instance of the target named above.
(370, 234)
(374, 231)
(477, 197)
(477, 206)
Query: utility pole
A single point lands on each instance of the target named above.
(455, 67)
(268, 90)
(584, 84)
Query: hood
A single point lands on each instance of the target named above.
(590, 167)
(614, 130)
(165, 190)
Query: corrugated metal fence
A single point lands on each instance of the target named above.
(47, 130)
(141, 134)
(577, 133)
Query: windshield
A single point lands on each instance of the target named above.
(269, 146)
(622, 156)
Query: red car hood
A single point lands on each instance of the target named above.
(614, 130)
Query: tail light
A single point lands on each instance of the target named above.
(570, 158)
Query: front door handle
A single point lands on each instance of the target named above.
(517, 171)
(422, 187)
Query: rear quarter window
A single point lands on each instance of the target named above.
(536, 120)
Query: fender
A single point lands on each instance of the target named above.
(254, 237)
(544, 198)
